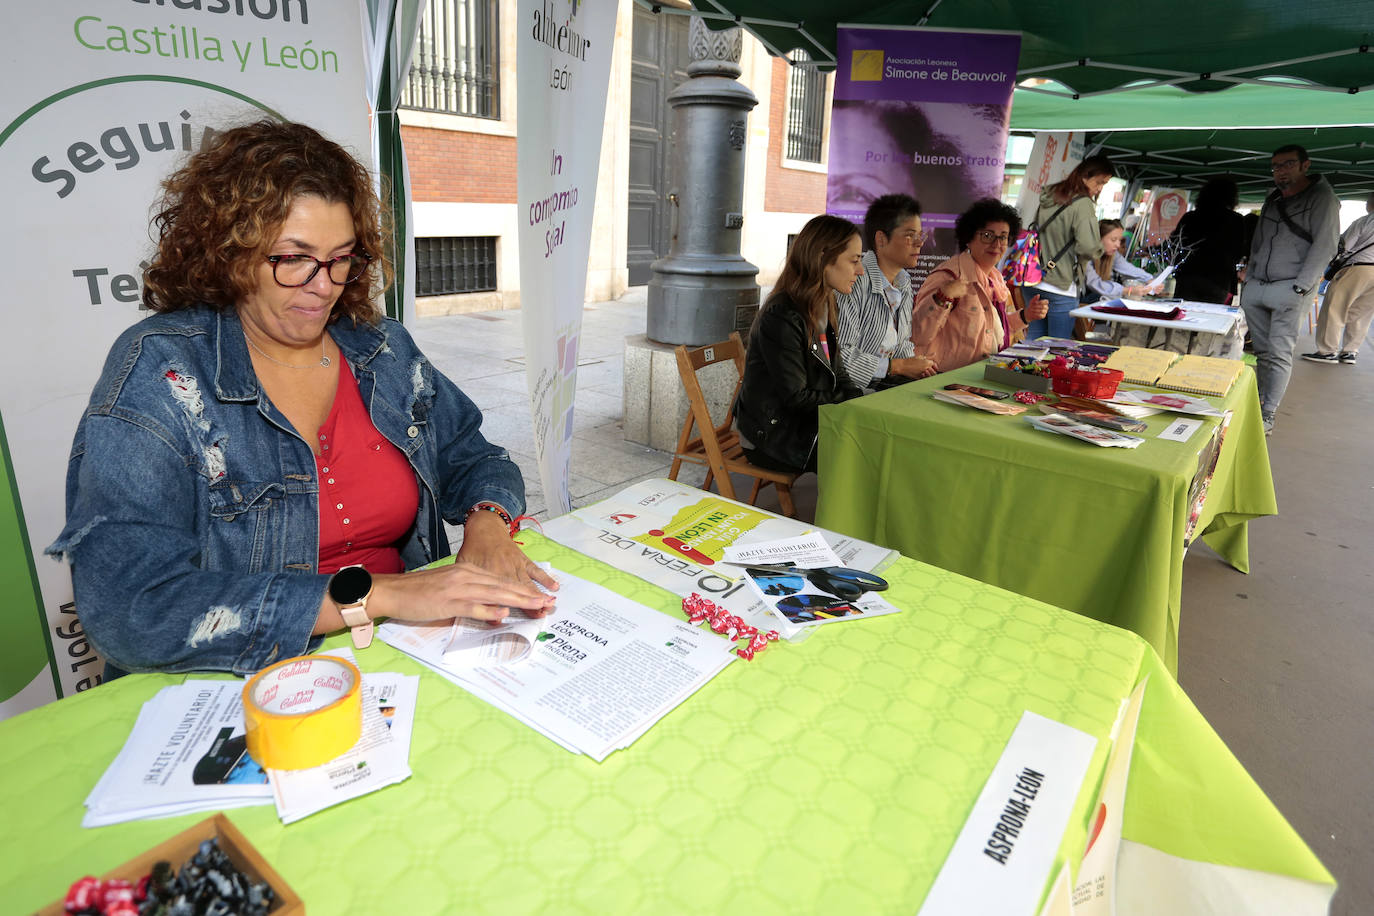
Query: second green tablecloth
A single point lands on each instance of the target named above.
(1099, 531)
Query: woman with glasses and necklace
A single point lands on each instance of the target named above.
(264, 457)
(963, 310)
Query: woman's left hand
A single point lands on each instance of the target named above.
(487, 543)
(1037, 308)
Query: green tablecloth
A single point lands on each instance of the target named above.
(1094, 530)
(827, 776)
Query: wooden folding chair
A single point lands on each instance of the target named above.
(718, 447)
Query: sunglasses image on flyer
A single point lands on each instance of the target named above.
(808, 597)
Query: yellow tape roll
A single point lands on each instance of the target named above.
(303, 712)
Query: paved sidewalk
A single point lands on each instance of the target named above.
(483, 353)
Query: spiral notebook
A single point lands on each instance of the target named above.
(1209, 375)
(1141, 366)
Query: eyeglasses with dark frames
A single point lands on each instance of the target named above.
(989, 237)
(292, 270)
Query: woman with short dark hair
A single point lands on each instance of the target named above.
(963, 310)
(794, 365)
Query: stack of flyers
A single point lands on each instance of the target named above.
(380, 758)
(188, 753)
(1173, 400)
(1063, 426)
(966, 399)
(1096, 417)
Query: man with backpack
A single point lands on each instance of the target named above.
(1297, 234)
(1348, 306)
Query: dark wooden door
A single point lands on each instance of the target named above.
(659, 61)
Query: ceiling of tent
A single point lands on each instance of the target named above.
(1186, 158)
(1089, 46)
(1174, 90)
(1193, 136)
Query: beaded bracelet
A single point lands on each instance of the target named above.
(500, 513)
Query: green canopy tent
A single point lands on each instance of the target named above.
(1174, 91)
(1094, 48)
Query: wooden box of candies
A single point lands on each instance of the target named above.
(210, 868)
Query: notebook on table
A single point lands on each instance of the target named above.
(1141, 366)
(1209, 375)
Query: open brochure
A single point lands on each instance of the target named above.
(675, 536)
(809, 587)
(602, 671)
(1083, 432)
(188, 753)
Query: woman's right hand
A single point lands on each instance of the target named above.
(458, 590)
(913, 367)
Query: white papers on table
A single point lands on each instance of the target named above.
(1084, 432)
(674, 536)
(1180, 430)
(380, 758)
(188, 753)
(603, 669)
(809, 550)
(1160, 277)
(1002, 857)
(1171, 400)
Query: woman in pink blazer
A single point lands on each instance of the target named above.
(963, 311)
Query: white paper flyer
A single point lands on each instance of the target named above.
(674, 536)
(601, 673)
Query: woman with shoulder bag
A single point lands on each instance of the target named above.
(1068, 242)
(793, 365)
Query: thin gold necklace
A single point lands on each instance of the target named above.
(323, 363)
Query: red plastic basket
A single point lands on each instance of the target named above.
(1085, 383)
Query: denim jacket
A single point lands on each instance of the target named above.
(192, 515)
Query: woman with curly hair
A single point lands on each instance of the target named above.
(263, 457)
(963, 310)
(793, 365)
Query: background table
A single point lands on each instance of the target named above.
(1095, 530)
(1218, 322)
(826, 776)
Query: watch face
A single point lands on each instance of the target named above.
(350, 585)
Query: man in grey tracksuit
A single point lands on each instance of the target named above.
(1298, 229)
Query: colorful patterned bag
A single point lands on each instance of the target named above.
(1022, 266)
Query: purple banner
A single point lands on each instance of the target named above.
(921, 112)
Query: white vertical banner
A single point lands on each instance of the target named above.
(102, 101)
(1053, 156)
(564, 68)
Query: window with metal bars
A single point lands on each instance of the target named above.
(444, 266)
(456, 67)
(805, 109)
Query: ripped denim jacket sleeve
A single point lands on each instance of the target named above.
(158, 586)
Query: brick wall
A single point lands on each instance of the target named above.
(448, 166)
(787, 190)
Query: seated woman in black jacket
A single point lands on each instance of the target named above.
(793, 364)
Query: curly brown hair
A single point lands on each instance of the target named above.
(222, 211)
